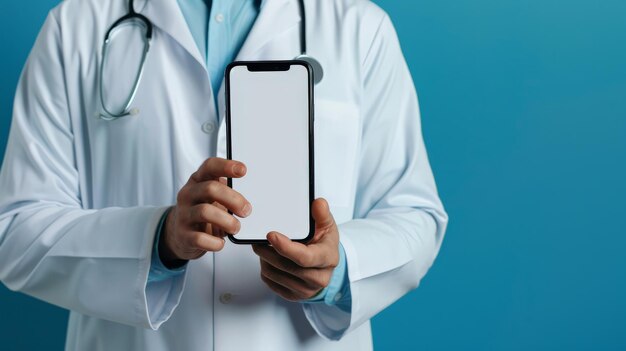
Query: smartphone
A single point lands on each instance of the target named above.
(269, 127)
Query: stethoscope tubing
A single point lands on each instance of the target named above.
(133, 15)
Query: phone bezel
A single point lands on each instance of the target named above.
(269, 66)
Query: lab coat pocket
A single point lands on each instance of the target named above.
(337, 135)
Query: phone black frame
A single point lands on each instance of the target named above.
(269, 66)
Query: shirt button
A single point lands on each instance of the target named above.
(219, 18)
(226, 298)
(208, 127)
(338, 297)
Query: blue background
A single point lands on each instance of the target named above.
(524, 113)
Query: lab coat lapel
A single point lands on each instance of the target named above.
(275, 17)
(167, 16)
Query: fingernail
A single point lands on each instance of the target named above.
(239, 170)
(247, 209)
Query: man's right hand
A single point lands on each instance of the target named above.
(199, 220)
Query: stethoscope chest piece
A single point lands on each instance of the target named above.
(318, 71)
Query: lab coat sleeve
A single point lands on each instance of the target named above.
(52, 246)
(399, 220)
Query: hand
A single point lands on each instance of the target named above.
(200, 218)
(296, 271)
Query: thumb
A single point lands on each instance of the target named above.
(321, 214)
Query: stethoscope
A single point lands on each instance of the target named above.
(134, 18)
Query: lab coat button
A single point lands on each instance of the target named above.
(219, 18)
(208, 127)
(226, 298)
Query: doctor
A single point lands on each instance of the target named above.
(120, 220)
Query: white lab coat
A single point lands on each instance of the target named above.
(81, 197)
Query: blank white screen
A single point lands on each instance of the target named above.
(269, 130)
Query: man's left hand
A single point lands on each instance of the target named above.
(297, 271)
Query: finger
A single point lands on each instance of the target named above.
(205, 242)
(269, 254)
(291, 282)
(315, 278)
(281, 290)
(219, 205)
(215, 191)
(314, 255)
(215, 167)
(207, 213)
(217, 231)
(213, 229)
(321, 213)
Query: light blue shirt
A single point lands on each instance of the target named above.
(219, 29)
